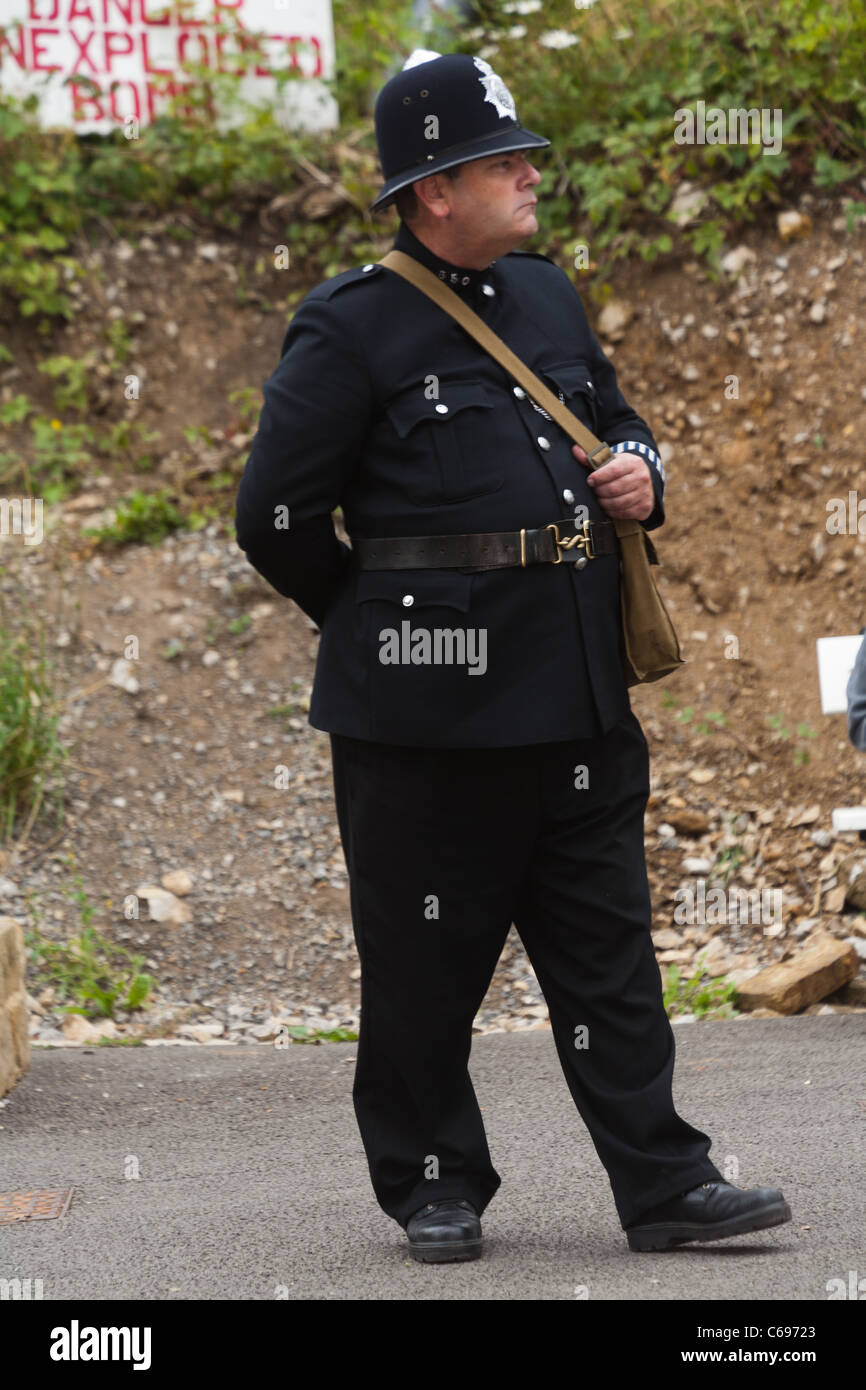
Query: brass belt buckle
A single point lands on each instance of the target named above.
(584, 541)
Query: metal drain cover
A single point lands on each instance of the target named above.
(35, 1205)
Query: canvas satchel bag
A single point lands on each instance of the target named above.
(649, 642)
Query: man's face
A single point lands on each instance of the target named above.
(492, 198)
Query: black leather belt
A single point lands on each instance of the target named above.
(569, 540)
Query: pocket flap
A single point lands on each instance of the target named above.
(409, 407)
(571, 377)
(427, 588)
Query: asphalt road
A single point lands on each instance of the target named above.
(253, 1180)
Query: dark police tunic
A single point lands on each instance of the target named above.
(461, 797)
(382, 404)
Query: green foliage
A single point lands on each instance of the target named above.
(803, 732)
(15, 410)
(248, 401)
(72, 375)
(194, 434)
(51, 463)
(123, 438)
(775, 722)
(94, 973)
(40, 175)
(703, 996)
(372, 40)
(119, 342)
(59, 451)
(90, 970)
(607, 102)
(299, 1034)
(30, 753)
(712, 720)
(829, 172)
(854, 214)
(726, 865)
(299, 704)
(54, 456)
(728, 860)
(143, 516)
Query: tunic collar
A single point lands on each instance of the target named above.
(465, 280)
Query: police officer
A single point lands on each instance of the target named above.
(488, 768)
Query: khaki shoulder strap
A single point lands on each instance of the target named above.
(651, 648)
(423, 279)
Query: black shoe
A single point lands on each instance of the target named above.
(710, 1211)
(442, 1231)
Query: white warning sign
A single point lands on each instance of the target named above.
(96, 64)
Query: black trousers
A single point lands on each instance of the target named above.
(445, 849)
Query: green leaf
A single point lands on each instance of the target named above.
(137, 992)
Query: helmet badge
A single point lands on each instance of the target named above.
(495, 90)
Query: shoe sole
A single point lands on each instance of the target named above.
(665, 1236)
(442, 1252)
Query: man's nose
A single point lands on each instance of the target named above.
(531, 174)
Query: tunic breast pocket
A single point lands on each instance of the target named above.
(449, 450)
(574, 381)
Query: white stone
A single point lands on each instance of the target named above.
(163, 905)
(122, 676)
(178, 882)
(734, 262)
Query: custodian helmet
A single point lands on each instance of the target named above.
(441, 110)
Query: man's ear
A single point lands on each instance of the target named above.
(430, 192)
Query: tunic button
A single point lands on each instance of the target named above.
(442, 409)
(519, 393)
(488, 289)
(408, 600)
(581, 563)
(544, 443)
(368, 267)
(568, 496)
